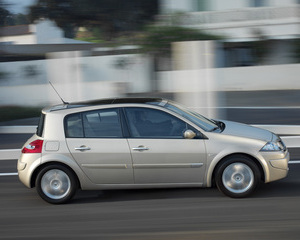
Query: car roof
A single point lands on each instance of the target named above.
(158, 101)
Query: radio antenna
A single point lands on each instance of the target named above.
(58, 93)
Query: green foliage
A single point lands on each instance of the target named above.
(13, 112)
(158, 39)
(9, 19)
(111, 16)
(3, 16)
(93, 34)
(90, 39)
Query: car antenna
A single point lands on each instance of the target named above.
(58, 93)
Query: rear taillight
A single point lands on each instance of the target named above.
(33, 147)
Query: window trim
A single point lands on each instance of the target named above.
(41, 125)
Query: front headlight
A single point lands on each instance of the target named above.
(273, 146)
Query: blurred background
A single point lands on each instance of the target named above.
(229, 59)
(234, 59)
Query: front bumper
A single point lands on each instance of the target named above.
(277, 165)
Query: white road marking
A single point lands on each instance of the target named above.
(294, 162)
(8, 174)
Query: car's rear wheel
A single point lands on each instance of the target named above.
(237, 176)
(56, 184)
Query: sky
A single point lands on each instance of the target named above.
(19, 6)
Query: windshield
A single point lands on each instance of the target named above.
(204, 123)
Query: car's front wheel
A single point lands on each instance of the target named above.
(237, 176)
(56, 184)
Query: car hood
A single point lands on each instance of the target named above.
(247, 131)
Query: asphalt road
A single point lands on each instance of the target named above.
(272, 213)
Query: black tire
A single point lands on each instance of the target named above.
(237, 176)
(56, 184)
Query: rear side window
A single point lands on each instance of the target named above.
(40, 128)
(103, 123)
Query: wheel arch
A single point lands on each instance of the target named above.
(223, 159)
(40, 167)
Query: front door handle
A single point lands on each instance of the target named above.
(82, 148)
(140, 148)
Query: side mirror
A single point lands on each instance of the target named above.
(189, 134)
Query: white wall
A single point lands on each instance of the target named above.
(24, 39)
(193, 79)
(76, 78)
(23, 73)
(44, 95)
(281, 3)
(274, 77)
(221, 5)
(173, 6)
(43, 32)
(47, 32)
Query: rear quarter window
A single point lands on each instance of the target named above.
(73, 126)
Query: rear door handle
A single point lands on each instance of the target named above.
(82, 148)
(140, 148)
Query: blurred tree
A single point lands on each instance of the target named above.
(3, 13)
(157, 39)
(111, 16)
(20, 19)
(16, 19)
(9, 19)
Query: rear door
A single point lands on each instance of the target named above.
(95, 140)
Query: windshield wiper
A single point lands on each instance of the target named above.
(214, 129)
(220, 125)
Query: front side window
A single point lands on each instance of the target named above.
(152, 123)
(103, 123)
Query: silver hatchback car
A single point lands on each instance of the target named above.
(127, 143)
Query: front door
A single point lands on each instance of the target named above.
(160, 154)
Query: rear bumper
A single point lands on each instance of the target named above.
(27, 163)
